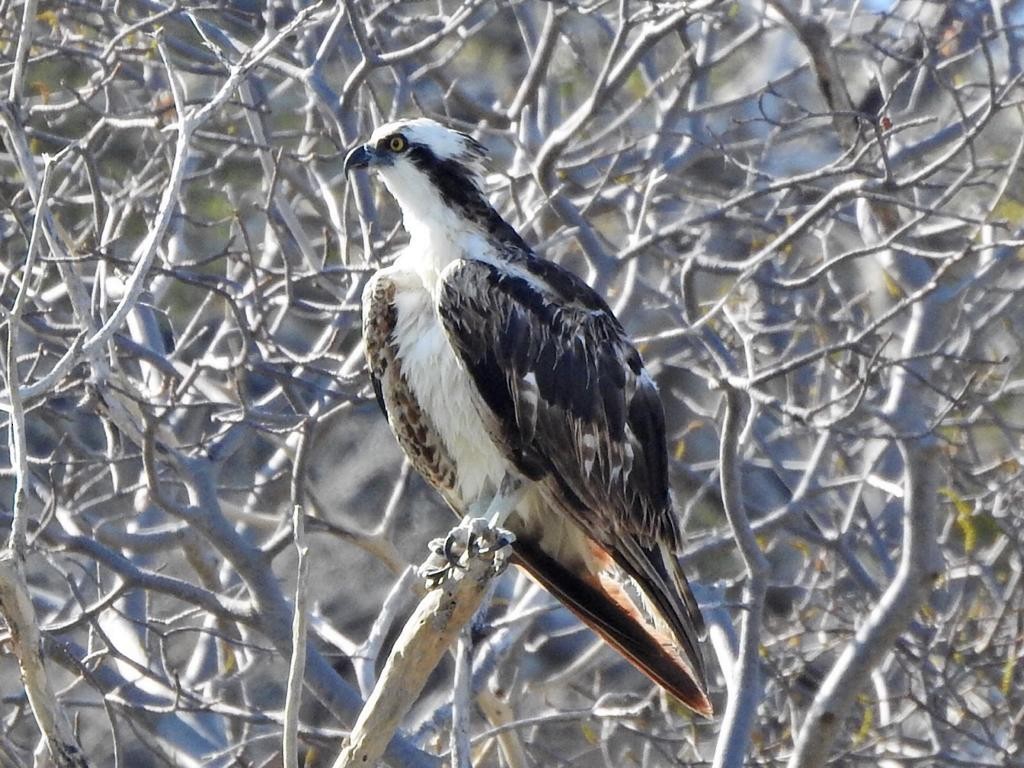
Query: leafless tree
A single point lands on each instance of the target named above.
(811, 217)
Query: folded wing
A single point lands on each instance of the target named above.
(567, 398)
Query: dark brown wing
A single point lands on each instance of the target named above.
(573, 404)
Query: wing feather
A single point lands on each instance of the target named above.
(564, 382)
(606, 609)
(571, 400)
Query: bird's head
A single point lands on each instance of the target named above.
(430, 169)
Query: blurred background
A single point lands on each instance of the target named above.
(816, 207)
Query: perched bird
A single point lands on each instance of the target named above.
(512, 388)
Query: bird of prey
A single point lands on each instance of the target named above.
(509, 383)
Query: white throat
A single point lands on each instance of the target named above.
(437, 234)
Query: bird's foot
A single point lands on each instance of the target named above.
(474, 537)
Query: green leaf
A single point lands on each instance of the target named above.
(965, 520)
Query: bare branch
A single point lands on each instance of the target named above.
(431, 630)
(744, 685)
(53, 722)
(808, 216)
(297, 668)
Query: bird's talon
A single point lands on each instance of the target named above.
(473, 537)
(496, 540)
(432, 577)
(459, 547)
(436, 547)
(434, 569)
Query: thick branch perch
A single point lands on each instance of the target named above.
(430, 631)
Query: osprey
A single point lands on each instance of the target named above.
(513, 389)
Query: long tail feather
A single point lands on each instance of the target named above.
(606, 608)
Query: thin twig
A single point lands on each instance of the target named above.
(460, 748)
(499, 713)
(744, 685)
(17, 609)
(297, 668)
(25, 37)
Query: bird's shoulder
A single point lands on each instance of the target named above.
(544, 288)
(382, 285)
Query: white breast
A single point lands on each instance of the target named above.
(444, 390)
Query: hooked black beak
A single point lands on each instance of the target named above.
(360, 157)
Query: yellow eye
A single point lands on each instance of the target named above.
(397, 143)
